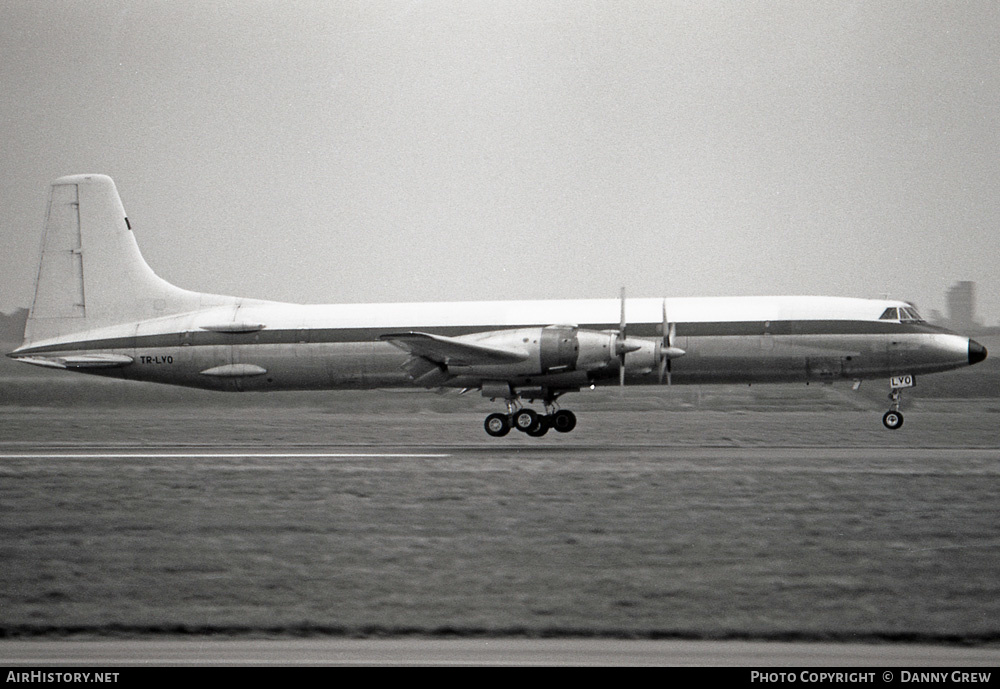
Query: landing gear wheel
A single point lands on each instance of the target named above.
(497, 425)
(892, 419)
(564, 421)
(525, 420)
(544, 424)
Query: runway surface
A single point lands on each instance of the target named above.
(614, 452)
(479, 652)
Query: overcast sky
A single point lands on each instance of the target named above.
(412, 151)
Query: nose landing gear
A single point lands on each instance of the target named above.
(893, 418)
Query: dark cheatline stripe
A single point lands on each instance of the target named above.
(342, 335)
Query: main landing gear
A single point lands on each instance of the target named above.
(529, 421)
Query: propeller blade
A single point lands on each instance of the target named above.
(665, 332)
(663, 326)
(621, 326)
(671, 336)
(621, 343)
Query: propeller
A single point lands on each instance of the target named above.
(668, 332)
(622, 346)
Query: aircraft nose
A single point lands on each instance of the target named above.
(977, 352)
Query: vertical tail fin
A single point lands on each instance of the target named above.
(91, 272)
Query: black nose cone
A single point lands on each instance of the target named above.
(977, 352)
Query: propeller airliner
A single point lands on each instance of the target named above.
(100, 309)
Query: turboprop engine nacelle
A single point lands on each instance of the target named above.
(597, 349)
(641, 356)
(562, 349)
(550, 350)
(645, 356)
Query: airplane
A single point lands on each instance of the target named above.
(100, 309)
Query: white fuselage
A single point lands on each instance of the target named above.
(242, 344)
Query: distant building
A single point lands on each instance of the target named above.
(12, 326)
(962, 305)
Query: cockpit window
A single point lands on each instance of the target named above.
(903, 314)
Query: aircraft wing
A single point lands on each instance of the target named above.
(452, 351)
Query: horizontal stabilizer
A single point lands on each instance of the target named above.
(82, 361)
(451, 351)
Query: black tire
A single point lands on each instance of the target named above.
(497, 425)
(544, 424)
(525, 420)
(892, 420)
(564, 421)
